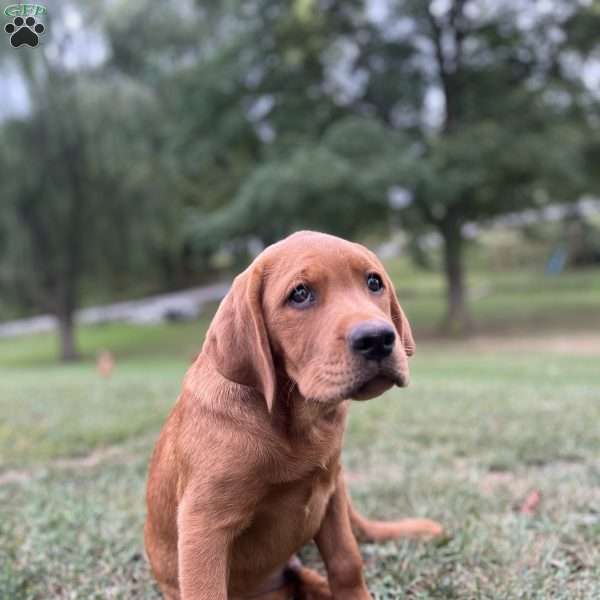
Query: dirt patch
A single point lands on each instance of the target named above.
(124, 454)
(578, 344)
(516, 486)
(14, 476)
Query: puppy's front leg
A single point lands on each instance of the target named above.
(339, 549)
(204, 542)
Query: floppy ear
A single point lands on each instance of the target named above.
(401, 322)
(237, 342)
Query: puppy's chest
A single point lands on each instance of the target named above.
(299, 483)
(301, 504)
(289, 515)
(298, 498)
(310, 454)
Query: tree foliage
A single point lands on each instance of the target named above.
(512, 128)
(79, 200)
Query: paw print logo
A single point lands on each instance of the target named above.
(24, 31)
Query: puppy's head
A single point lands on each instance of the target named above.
(319, 311)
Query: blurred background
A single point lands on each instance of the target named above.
(148, 150)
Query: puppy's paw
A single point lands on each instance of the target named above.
(317, 594)
(361, 594)
(311, 585)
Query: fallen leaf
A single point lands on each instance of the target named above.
(531, 504)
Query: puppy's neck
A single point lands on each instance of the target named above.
(221, 396)
(301, 416)
(292, 413)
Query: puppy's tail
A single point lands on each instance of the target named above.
(367, 530)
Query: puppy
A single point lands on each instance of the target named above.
(247, 467)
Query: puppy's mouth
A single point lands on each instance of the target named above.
(375, 386)
(363, 383)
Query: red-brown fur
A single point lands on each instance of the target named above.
(247, 467)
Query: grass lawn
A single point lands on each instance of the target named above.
(482, 425)
(465, 444)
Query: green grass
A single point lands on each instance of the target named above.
(47, 413)
(481, 426)
(464, 444)
(178, 340)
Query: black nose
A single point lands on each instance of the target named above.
(372, 339)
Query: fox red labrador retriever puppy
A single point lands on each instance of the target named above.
(247, 468)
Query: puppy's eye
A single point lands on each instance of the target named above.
(374, 282)
(301, 296)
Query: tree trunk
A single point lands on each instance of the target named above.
(66, 331)
(457, 320)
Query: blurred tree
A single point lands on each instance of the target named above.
(197, 72)
(78, 187)
(490, 101)
(511, 133)
(274, 116)
(295, 179)
(313, 186)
